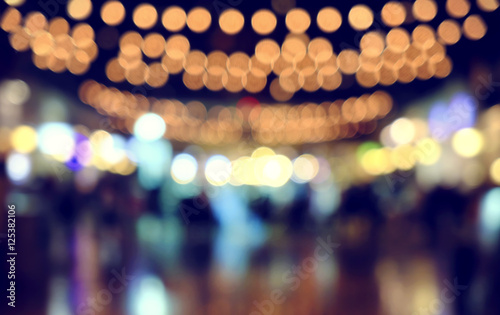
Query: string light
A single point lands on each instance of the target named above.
(79, 9)
(231, 21)
(393, 13)
(329, 19)
(474, 27)
(231, 125)
(360, 17)
(174, 19)
(50, 51)
(145, 16)
(300, 62)
(199, 20)
(113, 13)
(264, 22)
(297, 20)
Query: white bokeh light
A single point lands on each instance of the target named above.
(149, 127)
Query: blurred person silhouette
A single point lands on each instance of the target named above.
(358, 224)
(448, 216)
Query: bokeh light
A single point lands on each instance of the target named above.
(329, 19)
(184, 168)
(24, 139)
(149, 127)
(425, 10)
(56, 140)
(393, 13)
(297, 20)
(495, 171)
(218, 170)
(360, 17)
(199, 20)
(264, 22)
(16, 92)
(18, 167)
(305, 168)
(113, 13)
(488, 5)
(174, 18)
(457, 8)
(145, 16)
(79, 9)
(474, 27)
(231, 21)
(402, 131)
(468, 142)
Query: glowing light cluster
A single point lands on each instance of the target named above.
(263, 168)
(468, 142)
(297, 20)
(280, 123)
(149, 127)
(54, 45)
(82, 151)
(300, 63)
(378, 160)
(184, 168)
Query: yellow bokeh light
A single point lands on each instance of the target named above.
(174, 19)
(218, 170)
(262, 151)
(360, 17)
(474, 27)
(124, 167)
(377, 161)
(425, 10)
(19, 39)
(98, 141)
(428, 151)
(297, 20)
(145, 16)
(199, 20)
(153, 45)
(11, 19)
(58, 26)
(273, 171)
(372, 44)
(488, 5)
(329, 19)
(113, 12)
(231, 21)
(443, 68)
(244, 172)
(398, 40)
(305, 167)
(402, 131)
(468, 142)
(348, 61)
(14, 3)
(495, 171)
(264, 22)
(267, 51)
(457, 8)
(24, 139)
(449, 32)
(423, 36)
(79, 9)
(393, 13)
(43, 44)
(404, 157)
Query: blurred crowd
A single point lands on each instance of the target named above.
(405, 252)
